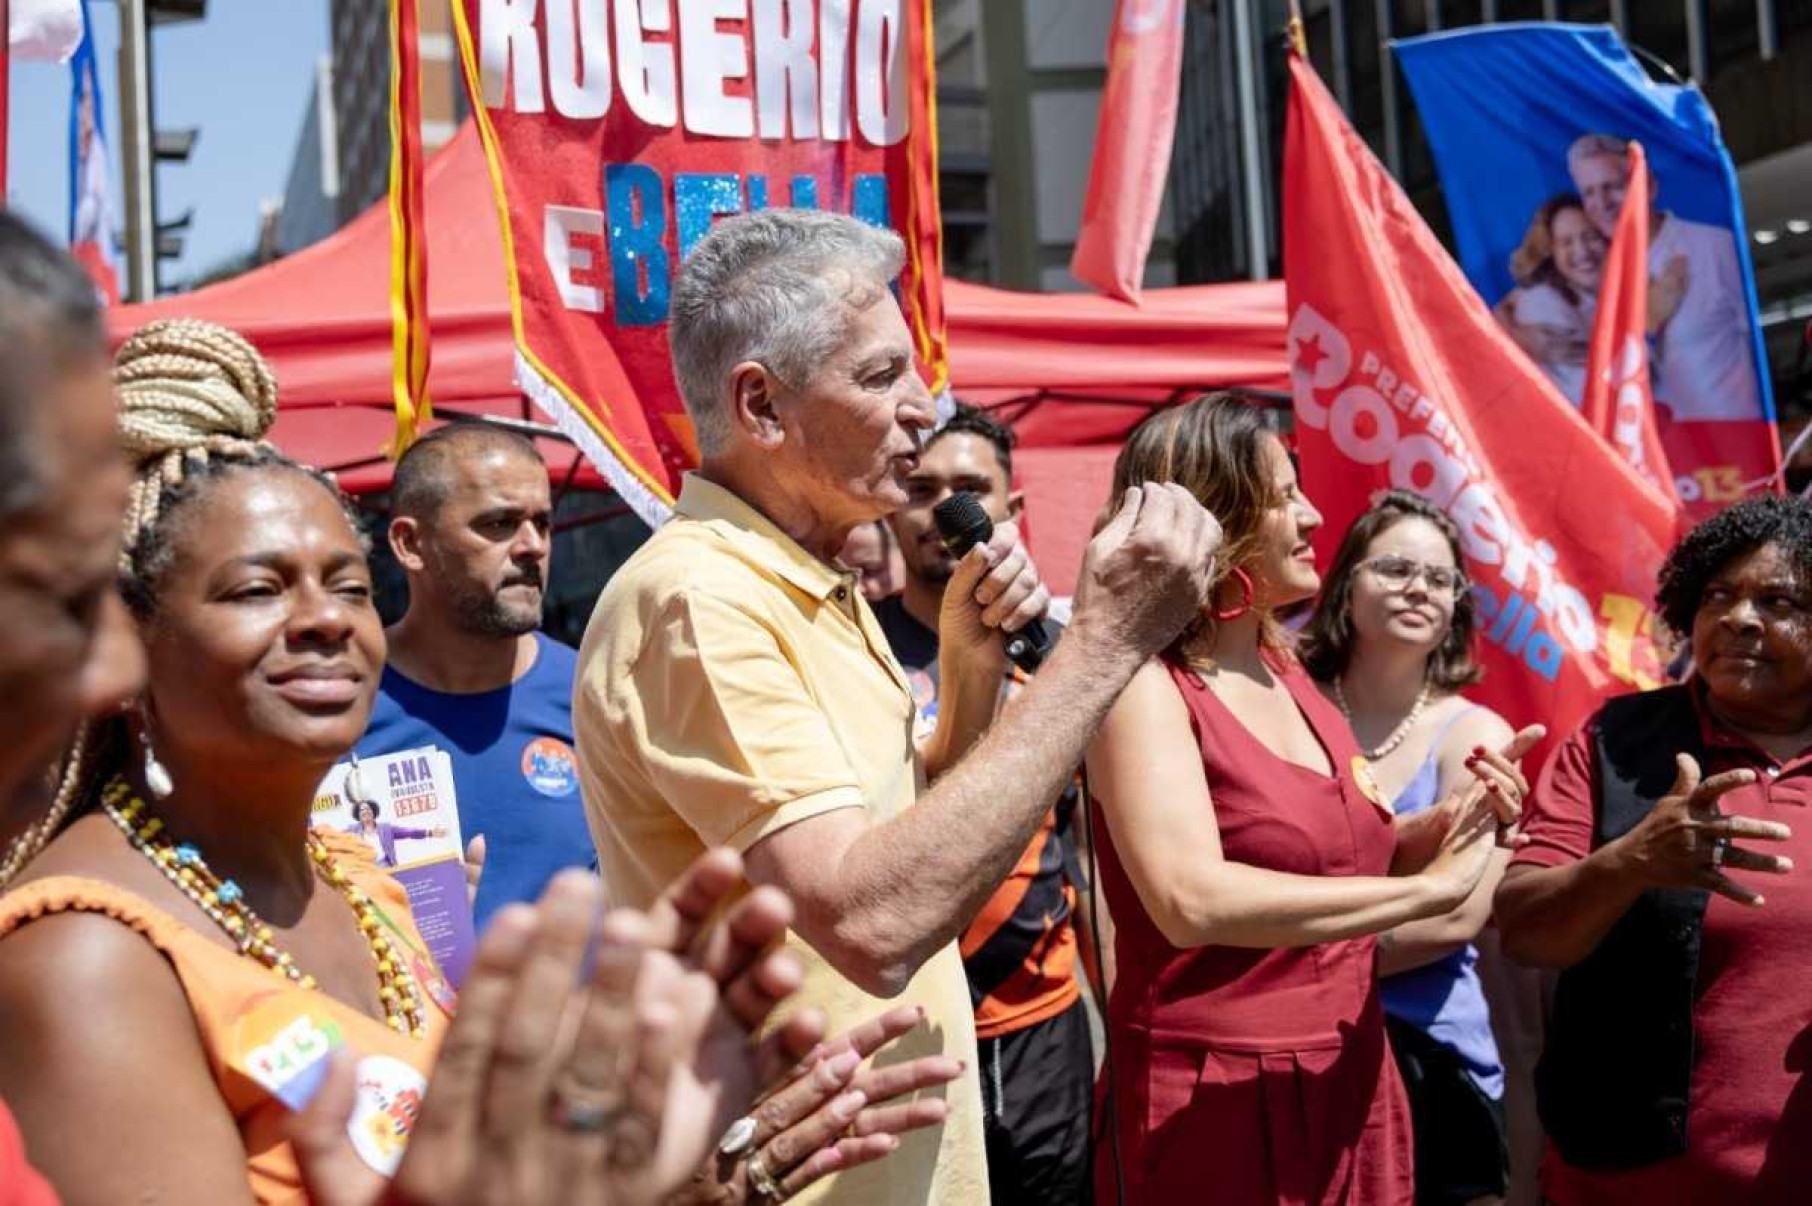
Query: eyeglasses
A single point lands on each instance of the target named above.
(1396, 573)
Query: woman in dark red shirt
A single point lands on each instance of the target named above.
(1681, 1030)
(1248, 860)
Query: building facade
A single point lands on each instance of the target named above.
(1752, 59)
(1019, 89)
(310, 208)
(360, 41)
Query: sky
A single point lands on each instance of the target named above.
(242, 76)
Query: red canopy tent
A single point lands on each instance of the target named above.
(1072, 372)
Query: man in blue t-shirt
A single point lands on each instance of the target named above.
(471, 519)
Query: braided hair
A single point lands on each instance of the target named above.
(195, 402)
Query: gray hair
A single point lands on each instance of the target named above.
(778, 287)
(50, 318)
(1593, 146)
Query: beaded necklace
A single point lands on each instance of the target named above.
(224, 903)
(1397, 735)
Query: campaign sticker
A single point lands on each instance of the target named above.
(434, 984)
(283, 1044)
(1368, 786)
(550, 766)
(389, 1101)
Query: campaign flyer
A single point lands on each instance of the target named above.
(404, 806)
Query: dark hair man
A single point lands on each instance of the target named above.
(471, 525)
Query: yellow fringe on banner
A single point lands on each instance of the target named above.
(408, 252)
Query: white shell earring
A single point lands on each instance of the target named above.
(353, 786)
(157, 775)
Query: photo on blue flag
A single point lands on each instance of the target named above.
(1529, 126)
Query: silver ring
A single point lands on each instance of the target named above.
(584, 1111)
(1718, 848)
(761, 1180)
(585, 1117)
(736, 1140)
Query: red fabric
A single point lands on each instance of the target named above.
(1749, 1120)
(1065, 489)
(1257, 1076)
(1619, 398)
(1403, 379)
(408, 265)
(322, 317)
(1132, 147)
(20, 1183)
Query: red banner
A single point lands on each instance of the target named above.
(1402, 378)
(408, 238)
(616, 134)
(1132, 147)
(1619, 397)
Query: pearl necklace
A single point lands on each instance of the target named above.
(224, 903)
(1399, 734)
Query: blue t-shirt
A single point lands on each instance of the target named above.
(1446, 999)
(514, 769)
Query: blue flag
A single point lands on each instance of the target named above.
(1528, 125)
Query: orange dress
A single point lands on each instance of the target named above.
(263, 1033)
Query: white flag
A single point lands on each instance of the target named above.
(45, 31)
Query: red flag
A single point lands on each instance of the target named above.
(1132, 147)
(1619, 399)
(408, 239)
(1402, 379)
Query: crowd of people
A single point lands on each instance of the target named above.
(790, 884)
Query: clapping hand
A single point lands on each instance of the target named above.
(556, 1085)
(1499, 786)
(827, 1113)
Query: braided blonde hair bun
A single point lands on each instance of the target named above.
(188, 390)
(184, 383)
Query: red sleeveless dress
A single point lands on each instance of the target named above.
(1255, 1076)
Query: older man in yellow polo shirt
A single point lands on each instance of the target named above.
(735, 689)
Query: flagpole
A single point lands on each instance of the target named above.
(6, 87)
(1258, 252)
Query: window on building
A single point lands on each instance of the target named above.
(1458, 14)
(1586, 12)
(1365, 65)
(1732, 35)
(1791, 16)
(1659, 27)
(1520, 10)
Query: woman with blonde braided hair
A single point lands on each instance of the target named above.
(215, 947)
(194, 398)
(185, 818)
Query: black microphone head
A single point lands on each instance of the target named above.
(962, 522)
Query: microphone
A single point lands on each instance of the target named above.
(963, 524)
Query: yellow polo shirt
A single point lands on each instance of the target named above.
(731, 684)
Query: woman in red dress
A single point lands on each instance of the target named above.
(1248, 861)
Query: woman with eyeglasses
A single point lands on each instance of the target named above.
(1249, 861)
(1390, 643)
